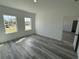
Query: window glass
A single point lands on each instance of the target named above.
(10, 23)
(28, 25)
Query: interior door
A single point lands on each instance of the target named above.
(74, 25)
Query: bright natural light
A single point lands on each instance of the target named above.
(10, 24)
(28, 24)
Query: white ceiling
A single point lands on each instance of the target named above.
(42, 5)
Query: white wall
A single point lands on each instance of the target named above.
(68, 21)
(49, 25)
(20, 23)
(50, 18)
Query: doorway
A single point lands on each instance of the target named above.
(69, 29)
(74, 25)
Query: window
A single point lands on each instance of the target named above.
(10, 23)
(28, 25)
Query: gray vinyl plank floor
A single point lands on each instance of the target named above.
(37, 47)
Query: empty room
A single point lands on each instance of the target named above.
(39, 29)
